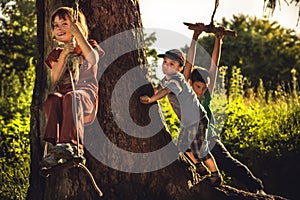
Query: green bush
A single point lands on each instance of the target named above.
(264, 127)
(14, 158)
(172, 123)
(14, 137)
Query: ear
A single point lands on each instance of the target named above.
(179, 68)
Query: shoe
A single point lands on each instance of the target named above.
(65, 151)
(201, 169)
(191, 174)
(215, 179)
(260, 192)
(49, 161)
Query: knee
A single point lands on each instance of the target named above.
(52, 99)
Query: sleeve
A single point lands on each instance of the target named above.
(96, 46)
(53, 57)
(175, 86)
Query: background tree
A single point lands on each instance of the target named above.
(263, 50)
(107, 20)
(271, 5)
(17, 52)
(18, 29)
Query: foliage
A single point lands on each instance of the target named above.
(152, 59)
(264, 133)
(254, 128)
(263, 127)
(14, 134)
(17, 50)
(262, 49)
(172, 123)
(271, 5)
(17, 74)
(14, 157)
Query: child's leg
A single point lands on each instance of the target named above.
(192, 157)
(199, 144)
(200, 149)
(53, 110)
(211, 164)
(200, 168)
(70, 119)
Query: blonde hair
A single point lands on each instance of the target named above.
(62, 12)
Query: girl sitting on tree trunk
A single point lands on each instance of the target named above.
(74, 102)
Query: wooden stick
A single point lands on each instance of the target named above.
(212, 29)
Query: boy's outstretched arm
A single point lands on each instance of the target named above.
(215, 58)
(158, 95)
(189, 64)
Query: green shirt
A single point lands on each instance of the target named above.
(205, 101)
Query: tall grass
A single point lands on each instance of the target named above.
(264, 125)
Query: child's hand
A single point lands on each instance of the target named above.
(69, 47)
(74, 28)
(145, 99)
(219, 33)
(198, 29)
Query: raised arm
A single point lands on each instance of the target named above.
(189, 64)
(87, 50)
(215, 58)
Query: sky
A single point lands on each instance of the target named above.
(166, 17)
(170, 14)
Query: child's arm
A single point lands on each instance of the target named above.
(158, 95)
(215, 58)
(188, 68)
(87, 50)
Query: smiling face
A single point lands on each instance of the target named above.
(170, 67)
(61, 29)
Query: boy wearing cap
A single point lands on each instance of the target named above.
(193, 119)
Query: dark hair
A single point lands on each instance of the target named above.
(200, 74)
(62, 12)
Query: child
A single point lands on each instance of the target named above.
(203, 82)
(77, 61)
(192, 115)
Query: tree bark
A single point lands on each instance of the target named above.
(122, 159)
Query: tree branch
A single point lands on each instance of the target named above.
(212, 29)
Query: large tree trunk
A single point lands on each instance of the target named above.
(128, 151)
